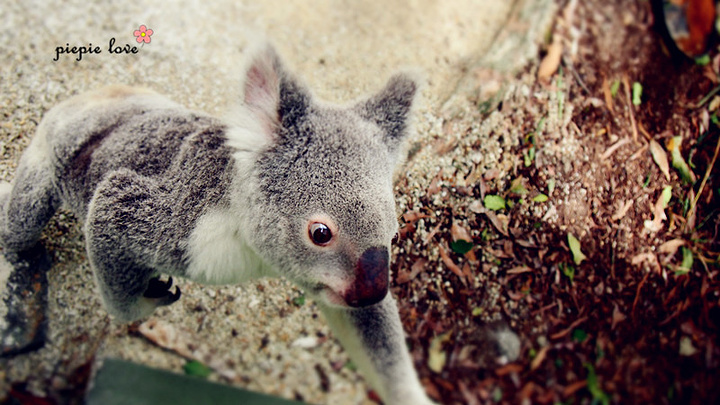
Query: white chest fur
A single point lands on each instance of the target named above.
(218, 254)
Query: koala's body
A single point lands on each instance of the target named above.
(287, 186)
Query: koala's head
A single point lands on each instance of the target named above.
(324, 213)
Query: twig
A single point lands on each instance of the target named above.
(637, 294)
(708, 97)
(569, 329)
(626, 86)
(691, 212)
(613, 148)
(576, 75)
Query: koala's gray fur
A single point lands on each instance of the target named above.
(162, 189)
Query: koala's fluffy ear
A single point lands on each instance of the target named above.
(390, 108)
(271, 94)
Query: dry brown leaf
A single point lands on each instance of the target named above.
(459, 233)
(650, 258)
(415, 269)
(412, 216)
(608, 94)
(573, 388)
(499, 221)
(491, 174)
(550, 62)
(477, 207)
(166, 336)
(519, 270)
(623, 210)
(660, 157)
(671, 246)
(451, 265)
(659, 216)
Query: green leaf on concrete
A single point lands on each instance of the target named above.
(436, 354)
(540, 198)
(517, 187)
(637, 90)
(666, 196)
(494, 202)
(687, 260)
(461, 246)
(194, 367)
(299, 300)
(574, 244)
(568, 270)
(677, 160)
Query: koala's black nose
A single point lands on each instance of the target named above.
(372, 274)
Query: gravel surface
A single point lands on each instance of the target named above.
(260, 336)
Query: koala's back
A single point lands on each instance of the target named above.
(88, 136)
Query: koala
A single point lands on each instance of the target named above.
(287, 186)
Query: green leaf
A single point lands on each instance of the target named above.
(194, 367)
(529, 156)
(477, 311)
(637, 90)
(677, 160)
(497, 394)
(579, 335)
(594, 386)
(614, 87)
(568, 270)
(461, 246)
(687, 260)
(299, 300)
(540, 198)
(436, 355)
(494, 202)
(551, 186)
(666, 196)
(577, 254)
(517, 187)
(702, 60)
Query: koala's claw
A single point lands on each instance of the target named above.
(160, 290)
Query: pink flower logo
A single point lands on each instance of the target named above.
(143, 34)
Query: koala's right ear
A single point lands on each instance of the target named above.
(274, 98)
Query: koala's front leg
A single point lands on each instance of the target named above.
(121, 239)
(374, 338)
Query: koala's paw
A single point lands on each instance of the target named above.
(23, 321)
(159, 291)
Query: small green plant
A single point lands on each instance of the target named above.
(494, 202)
(194, 367)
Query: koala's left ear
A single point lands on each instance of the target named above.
(391, 107)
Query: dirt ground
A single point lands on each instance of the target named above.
(542, 200)
(637, 320)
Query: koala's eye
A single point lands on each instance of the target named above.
(320, 233)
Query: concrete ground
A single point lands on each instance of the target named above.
(251, 335)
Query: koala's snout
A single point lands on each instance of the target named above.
(372, 274)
